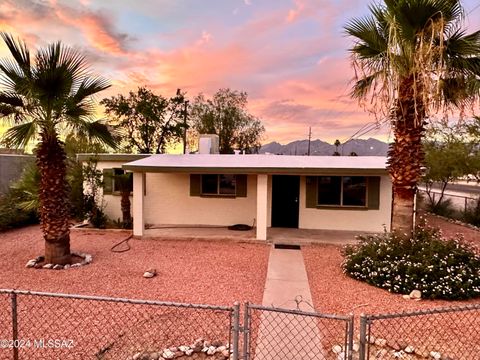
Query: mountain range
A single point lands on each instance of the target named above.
(368, 147)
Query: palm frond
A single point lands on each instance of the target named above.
(96, 131)
(90, 86)
(20, 135)
(19, 51)
(364, 85)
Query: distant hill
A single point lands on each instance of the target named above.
(369, 147)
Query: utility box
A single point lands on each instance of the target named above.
(208, 144)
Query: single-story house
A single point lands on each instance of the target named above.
(306, 192)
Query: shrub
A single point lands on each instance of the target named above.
(12, 217)
(19, 206)
(442, 208)
(472, 214)
(440, 269)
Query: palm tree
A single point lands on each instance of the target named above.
(412, 59)
(42, 97)
(123, 183)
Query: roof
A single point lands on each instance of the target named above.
(260, 164)
(111, 157)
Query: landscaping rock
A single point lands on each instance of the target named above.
(57, 267)
(137, 356)
(189, 352)
(435, 355)
(356, 346)
(67, 266)
(183, 348)
(337, 349)
(168, 354)
(211, 350)
(48, 266)
(150, 273)
(415, 294)
(154, 356)
(31, 263)
(409, 349)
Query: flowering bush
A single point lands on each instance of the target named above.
(439, 268)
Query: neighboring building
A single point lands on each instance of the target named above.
(11, 168)
(321, 192)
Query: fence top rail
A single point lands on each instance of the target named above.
(432, 311)
(299, 312)
(117, 300)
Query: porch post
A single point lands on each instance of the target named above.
(138, 199)
(262, 191)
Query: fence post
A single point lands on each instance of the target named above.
(236, 330)
(246, 332)
(14, 325)
(362, 352)
(350, 337)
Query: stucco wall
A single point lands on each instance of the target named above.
(111, 202)
(361, 220)
(168, 201)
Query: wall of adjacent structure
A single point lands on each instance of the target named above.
(355, 220)
(11, 168)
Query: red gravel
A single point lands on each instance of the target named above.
(217, 273)
(334, 292)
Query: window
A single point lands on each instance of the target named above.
(342, 191)
(213, 184)
(119, 183)
(114, 180)
(218, 185)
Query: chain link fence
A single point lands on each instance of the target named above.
(38, 325)
(444, 333)
(273, 333)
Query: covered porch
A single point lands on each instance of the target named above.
(278, 194)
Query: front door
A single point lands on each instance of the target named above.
(285, 196)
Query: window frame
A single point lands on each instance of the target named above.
(218, 194)
(341, 205)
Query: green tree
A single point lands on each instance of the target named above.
(43, 96)
(75, 144)
(149, 122)
(448, 156)
(226, 115)
(412, 58)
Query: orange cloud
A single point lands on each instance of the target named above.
(95, 28)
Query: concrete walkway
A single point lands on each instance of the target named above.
(282, 335)
(286, 280)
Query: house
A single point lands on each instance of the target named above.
(307, 192)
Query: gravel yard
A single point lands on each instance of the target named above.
(197, 272)
(334, 292)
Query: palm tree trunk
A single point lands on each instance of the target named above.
(125, 205)
(54, 209)
(405, 156)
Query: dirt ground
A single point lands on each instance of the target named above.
(196, 272)
(334, 292)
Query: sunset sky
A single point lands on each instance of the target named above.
(290, 56)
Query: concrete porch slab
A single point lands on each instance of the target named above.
(275, 235)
